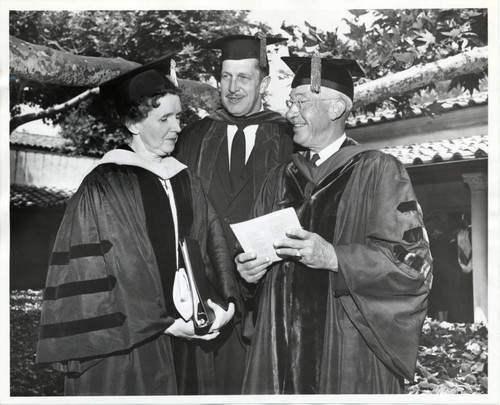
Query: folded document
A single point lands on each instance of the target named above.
(258, 234)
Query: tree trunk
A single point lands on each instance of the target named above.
(45, 65)
(473, 61)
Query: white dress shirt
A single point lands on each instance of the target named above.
(171, 199)
(250, 132)
(325, 153)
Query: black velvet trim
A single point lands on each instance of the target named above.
(64, 329)
(407, 206)
(411, 259)
(79, 251)
(160, 228)
(340, 287)
(79, 288)
(413, 235)
(184, 202)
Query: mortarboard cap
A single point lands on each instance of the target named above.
(336, 74)
(143, 81)
(245, 47)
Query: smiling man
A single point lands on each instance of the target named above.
(232, 151)
(342, 312)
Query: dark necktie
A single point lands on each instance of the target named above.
(314, 159)
(237, 156)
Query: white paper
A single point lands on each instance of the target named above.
(258, 234)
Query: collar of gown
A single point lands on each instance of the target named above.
(316, 174)
(165, 169)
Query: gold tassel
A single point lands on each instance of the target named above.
(262, 50)
(316, 73)
(173, 73)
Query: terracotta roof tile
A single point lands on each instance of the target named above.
(29, 140)
(22, 196)
(438, 107)
(472, 147)
(467, 148)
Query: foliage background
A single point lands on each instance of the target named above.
(394, 40)
(453, 358)
(139, 36)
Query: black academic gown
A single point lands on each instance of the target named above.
(108, 296)
(203, 148)
(355, 331)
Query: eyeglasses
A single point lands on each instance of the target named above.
(299, 103)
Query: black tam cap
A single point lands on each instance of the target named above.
(335, 74)
(245, 47)
(143, 81)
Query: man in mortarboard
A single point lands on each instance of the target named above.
(232, 151)
(342, 312)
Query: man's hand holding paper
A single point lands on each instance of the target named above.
(258, 234)
(257, 237)
(309, 248)
(276, 236)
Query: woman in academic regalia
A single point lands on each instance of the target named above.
(109, 317)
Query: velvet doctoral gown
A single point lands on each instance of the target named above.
(108, 296)
(355, 331)
(203, 147)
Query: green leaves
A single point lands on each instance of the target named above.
(138, 36)
(26, 378)
(384, 41)
(468, 82)
(392, 40)
(427, 38)
(452, 359)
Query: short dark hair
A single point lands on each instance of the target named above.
(141, 109)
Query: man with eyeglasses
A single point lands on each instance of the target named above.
(232, 150)
(343, 311)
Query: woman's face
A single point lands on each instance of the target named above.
(160, 129)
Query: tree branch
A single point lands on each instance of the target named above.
(202, 91)
(45, 65)
(473, 61)
(23, 119)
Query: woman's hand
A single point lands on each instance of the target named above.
(185, 330)
(221, 316)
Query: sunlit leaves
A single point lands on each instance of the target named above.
(26, 378)
(386, 41)
(139, 36)
(452, 359)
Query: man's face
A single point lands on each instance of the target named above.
(241, 86)
(312, 125)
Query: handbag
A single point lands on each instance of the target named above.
(192, 288)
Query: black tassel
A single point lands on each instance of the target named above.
(262, 50)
